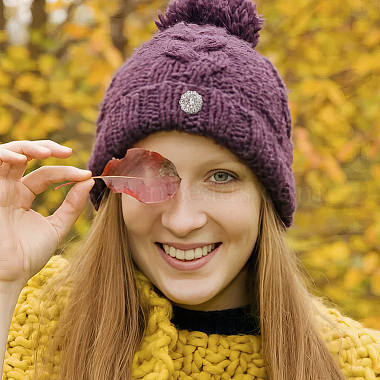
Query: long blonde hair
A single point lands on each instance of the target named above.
(292, 345)
(101, 328)
(103, 324)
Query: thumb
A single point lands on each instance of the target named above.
(71, 208)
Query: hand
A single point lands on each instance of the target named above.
(28, 239)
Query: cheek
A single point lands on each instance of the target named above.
(138, 230)
(136, 219)
(239, 214)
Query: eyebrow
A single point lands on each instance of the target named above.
(220, 162)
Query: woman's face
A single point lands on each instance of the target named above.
(194, 247)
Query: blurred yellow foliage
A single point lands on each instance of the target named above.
(5, 121)
(328, 54)
(375, 283)
(371, 263)
(46, 63)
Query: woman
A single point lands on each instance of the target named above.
(198, 283)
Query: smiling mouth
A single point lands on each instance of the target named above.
(188, 255)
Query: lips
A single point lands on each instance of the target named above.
(188, 264)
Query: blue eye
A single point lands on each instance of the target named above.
(221, 178)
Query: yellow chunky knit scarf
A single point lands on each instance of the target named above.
(166, 353)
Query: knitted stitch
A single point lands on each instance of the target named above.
(166, 353)
(208, 47)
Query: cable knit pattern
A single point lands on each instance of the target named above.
(166, 353)
(238, 17)
(245, 105)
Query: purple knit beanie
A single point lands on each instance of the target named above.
(206, 46)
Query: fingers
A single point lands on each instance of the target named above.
(40, 148)
(73, 205)
(12, 172)
(17, 153)
(39, 180)
(11, 157)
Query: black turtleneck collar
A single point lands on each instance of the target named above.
(223, 322)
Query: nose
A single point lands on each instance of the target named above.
(184, 212)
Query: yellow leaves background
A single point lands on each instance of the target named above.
(328, 54)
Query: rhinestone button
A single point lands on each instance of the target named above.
(191, 102)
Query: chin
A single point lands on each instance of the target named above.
(192, 298)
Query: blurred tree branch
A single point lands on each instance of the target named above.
(37, 27)
(117, 27)
(2, 24)
(117, 20)
(2, 16)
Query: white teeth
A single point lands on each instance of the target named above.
(190, 254)
(198, 253)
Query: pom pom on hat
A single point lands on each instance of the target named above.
(239, 17)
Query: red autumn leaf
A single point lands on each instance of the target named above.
(143, 174)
